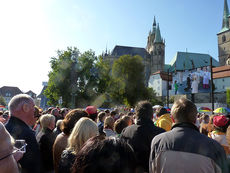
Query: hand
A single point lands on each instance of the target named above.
(18, 155)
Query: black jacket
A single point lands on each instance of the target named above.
(31, 159)
(66, 161)
(45, 139)
(139, 136)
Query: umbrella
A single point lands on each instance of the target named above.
(168, 109)
(222, 110)
(1, 106)
(204, 109)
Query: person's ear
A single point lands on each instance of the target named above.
(25, 107)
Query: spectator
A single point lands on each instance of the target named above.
(108, 127)
(57, 129)
(21, 109)
(128, 119)
(140, 135)
(8, 163)
(111, 155)
(56, 114)
(84, 129)
(45, 139)
(204, 125)
(219, 133)
(67, 125)
(184, 149)
(100, 123)
(119, 125)
(63, 112)
(92, 111)
(163, 119)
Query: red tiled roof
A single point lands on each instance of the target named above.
(221, 72)
(164, 75)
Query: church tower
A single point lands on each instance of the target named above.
(156, 48)
(224, 37)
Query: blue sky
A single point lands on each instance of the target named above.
(32, 30)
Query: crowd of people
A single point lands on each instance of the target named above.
(89, 140)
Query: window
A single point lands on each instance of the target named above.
(223, 38)
(8, 94)
(223, 80)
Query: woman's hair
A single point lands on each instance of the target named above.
(71, 118)
(119, 125)
(101, 115)
(109, 122)
(84, 129)
(46, 119)
(110, 155)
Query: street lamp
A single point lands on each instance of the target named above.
(73, 77)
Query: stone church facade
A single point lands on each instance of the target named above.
(224, 38)
(153, 55)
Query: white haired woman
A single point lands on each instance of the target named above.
(84, 129)
(45, 139)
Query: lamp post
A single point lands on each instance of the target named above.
(73, 78)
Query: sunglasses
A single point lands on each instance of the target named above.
(21, 149)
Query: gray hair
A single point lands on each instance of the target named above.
(18, 101)
(46, 119)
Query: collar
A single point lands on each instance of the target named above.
(141, 121)
(186, 125)
(18, 121)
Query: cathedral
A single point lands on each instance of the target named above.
(224, 38)
(153, 55)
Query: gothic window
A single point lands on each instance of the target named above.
(223, 38)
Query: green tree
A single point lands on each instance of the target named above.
(228, 97)
(2, 101)
(72, 76)
(127, 85)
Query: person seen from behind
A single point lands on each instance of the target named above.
(84, 129)
(184, 149)
(164, 120)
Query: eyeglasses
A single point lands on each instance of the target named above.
(21, 149)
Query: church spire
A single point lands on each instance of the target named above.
(154, 25)
(225, 23)
(158, 35)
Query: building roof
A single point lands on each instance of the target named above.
(163, 75)
(221, 72)
(42, 92)
(126, 50)
(8, 89)
(188, 61)
(158, 38)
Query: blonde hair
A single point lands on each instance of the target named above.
(109, 122)
(84, 129)
(183, 110)
(46, 119)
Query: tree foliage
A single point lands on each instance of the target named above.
(72, 75)
(2, 101)
(228, 97)
(127, 84)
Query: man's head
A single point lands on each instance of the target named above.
(161, 111)
(144, 110)
(92, 111)
(22, 107)
(184, 110)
